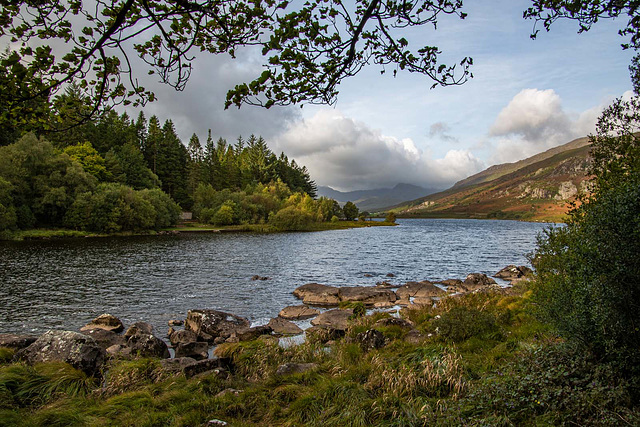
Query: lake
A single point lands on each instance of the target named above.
(63, 284)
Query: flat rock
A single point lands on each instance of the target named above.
(334, 319)
(175, 322)
(424, 289)
(182, 337)
(475, 281)
(512, 272)
(118, 350)
(298, 312)
(139, 328)
(366, 295)
(15, 341)
(80, 351)
(210, 324)
(105, 321)
(105, 338)
(317, 294)
(295, 368)
(284, 327)
(386, 285)
(194, 350)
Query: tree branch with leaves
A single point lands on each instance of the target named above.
(308, 48)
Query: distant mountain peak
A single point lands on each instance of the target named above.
(376, 199)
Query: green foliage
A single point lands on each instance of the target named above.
(462, 323)
(391, 217)
(43, 182)
(6, 354)
(528, 379)
(88, 157)
(291, 218)
(554, 385)
(225, 215)
(350, 211)
(25, 386)
(115, 207)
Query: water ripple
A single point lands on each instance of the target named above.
(64, 284)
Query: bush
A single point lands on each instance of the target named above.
(116, 207)
(461, 323)
(391, 217)
(291, 218)
(225, 215)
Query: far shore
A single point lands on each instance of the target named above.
(185, 227)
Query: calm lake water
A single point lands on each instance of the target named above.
(64, 284)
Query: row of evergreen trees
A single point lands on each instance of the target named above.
(144, 153)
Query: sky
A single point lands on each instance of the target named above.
(526, 96)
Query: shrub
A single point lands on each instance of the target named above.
(461, 323)
(291, 218)
(391, 217)
(225, 215)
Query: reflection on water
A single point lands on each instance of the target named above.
(64, 284)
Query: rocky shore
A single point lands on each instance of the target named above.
(192, 340)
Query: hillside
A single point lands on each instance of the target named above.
(376, 199)
(536, 189)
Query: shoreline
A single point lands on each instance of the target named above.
(183, 228)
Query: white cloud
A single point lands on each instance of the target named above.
(347, 154)
(534, 121)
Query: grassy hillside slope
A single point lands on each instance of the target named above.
(539, 188)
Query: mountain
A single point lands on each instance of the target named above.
(539, 188)
(374, 200)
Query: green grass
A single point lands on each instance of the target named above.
(495, 365)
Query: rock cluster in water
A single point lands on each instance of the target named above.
(102, 338)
